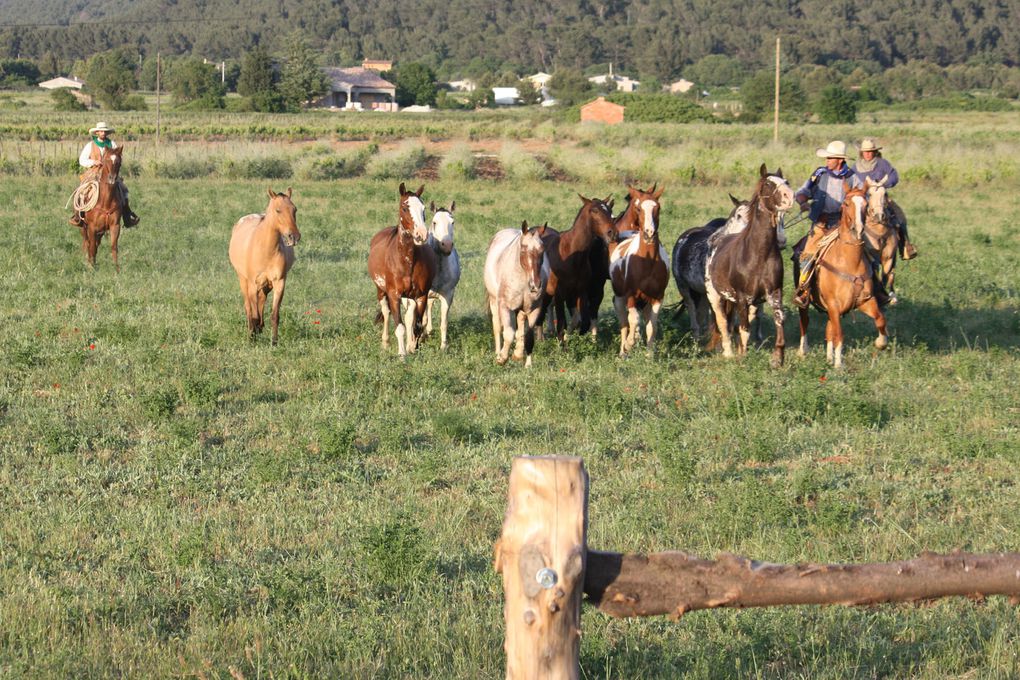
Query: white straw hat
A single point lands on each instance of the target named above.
(868, 144)
(101, 126)
(835, 149)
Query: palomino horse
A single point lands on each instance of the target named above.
(843, 280)
(447, 275)
(745, 269)
(690, 253)
(402, 265)
(516, 273)
(106, 215)
(262, 252)
(881, 239)
(570, 264)
(639, 270)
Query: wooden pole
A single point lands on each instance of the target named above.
(541, 555)
(158, 64)
(775, 115)
(674, 583)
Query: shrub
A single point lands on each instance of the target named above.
(184, 168)
(458, 163)
(338, 167)
(260, 168)
(519, 164)
(659, 108)
(836, 104)
(64, 100)
(404, 161)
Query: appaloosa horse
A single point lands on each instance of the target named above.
(881, 239)
(843, 280)
(690, 253)
(262, 252)
(516, 272)
(570, 264)
(107, 213)
(639, 270)
(746, 269)
(402, 265)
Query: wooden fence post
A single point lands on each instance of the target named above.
(542, 555)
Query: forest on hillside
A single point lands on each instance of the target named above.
(649, 38)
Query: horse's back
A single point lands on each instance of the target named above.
(690, 255)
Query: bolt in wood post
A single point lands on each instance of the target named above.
(542, 555)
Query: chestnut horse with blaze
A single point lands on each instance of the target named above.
(262, 252)
(107, 213)
(639, 270)
(843, 280)
(402, 265)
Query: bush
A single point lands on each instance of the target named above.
(64, 100)
(134, 102)
(519, 164)
(400, 163)
(758, 97)
(458, 163)
(260, 168)
(339, 167)
(660, 108)
(836, 104)
(184, 168)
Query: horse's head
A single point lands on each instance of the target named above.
(532, 254)
(110, 165)
(284, 215)
(412, 214)
(774, 191)
(877, 199)
(645, 205)
(442, 227)
(599, 214)
(853, 211)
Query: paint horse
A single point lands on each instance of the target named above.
(746, 269)
(447, 276)
(843, 280)
(262, 252)
(881, 239)
(690, 253)
(639, 270)
(570, 264)
(108, 211)
(402, 265)
(516, 273)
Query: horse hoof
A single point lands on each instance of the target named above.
(881, 342)
(518, 357)
(501, 360)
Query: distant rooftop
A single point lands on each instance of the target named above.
(356, 76)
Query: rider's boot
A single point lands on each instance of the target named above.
(802, 298)
(77, 219)
(130, 218)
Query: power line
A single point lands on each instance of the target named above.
(120, 22)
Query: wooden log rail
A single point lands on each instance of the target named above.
(546, 565)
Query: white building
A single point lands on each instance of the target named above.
(623, 83)
(506, 96)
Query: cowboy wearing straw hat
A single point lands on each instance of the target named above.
(824, 190)
(91, 156)
(871, 165)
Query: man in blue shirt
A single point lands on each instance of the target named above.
(871, 165)
(824, 190)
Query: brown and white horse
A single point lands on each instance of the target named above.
(262, 252)
(106, 215)
(570, 264)
(639, 270)
(843, 281)
(516, 273)
(746, 269)
(881, 238)
(402, 265)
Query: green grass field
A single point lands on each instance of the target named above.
(179, 502)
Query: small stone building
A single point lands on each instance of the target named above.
(358, 89)
(602, 111)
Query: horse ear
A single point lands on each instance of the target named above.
(882, 181)
(779, 173)
(524, 226)
(657, 194)
(583, 199)
(420, 190)
(735, 200)
(290, 192)
(610, 202)
(402, 189)
(763, 171)
(452, 206)
(541, 230)
(271, 193)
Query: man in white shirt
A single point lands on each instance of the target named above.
(91, 156)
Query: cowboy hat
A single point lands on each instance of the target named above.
(835, 149)
(868, 144)
(100, 127)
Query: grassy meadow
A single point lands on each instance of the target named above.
(179, 502)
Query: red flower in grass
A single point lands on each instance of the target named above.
(822, 378)
(317, 322)
(92, 345)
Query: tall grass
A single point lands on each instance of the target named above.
(402, 162)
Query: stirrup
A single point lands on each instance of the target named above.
(802, 299)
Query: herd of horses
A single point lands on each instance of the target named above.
(534, 276)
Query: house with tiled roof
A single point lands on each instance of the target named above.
(358, 89)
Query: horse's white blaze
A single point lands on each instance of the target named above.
(442, 229)
(417, 209)
(858, 202)
(648, 206)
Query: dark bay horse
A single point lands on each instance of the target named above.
(402, 265)
(262, 252)
(639, 270)
(107, 213)
(746, 269)
(843, 280)
(570, 267)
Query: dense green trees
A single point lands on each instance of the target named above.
(570, 86)
(110, 77)
(416, 84)
(257, 82)
(758, 97)
(196, 84)
(836, 104)
(301, 79)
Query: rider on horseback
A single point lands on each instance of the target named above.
(825, 190)
(90, 158)
(872, 165)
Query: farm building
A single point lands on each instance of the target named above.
(623, 83)
(602, 111)
(61, 81)
(358, 89)
(505, 96)
(380, 65)
(539, 80)
(680, 86)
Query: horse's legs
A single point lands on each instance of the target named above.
(529, 335)
(496, 329)
(114, 237)
(384, 314)
(802, 350)
(721, 319)
(747, 313)
(692, 310)
(872, 309)
(652, 325)
(834, 338)
(416, 327)
(620, 305)
(506, 316)
(445, 302)
(92, 246)
(522, 326)
(246, 296)
(775, 299)
(393, 302)
(278, 287)
(560, 308)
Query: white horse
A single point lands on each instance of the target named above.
(516, 272)
(444, 283)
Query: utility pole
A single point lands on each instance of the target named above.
(223, 72)
(775, 117)
(158, 64)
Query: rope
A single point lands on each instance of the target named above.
(84, 197)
